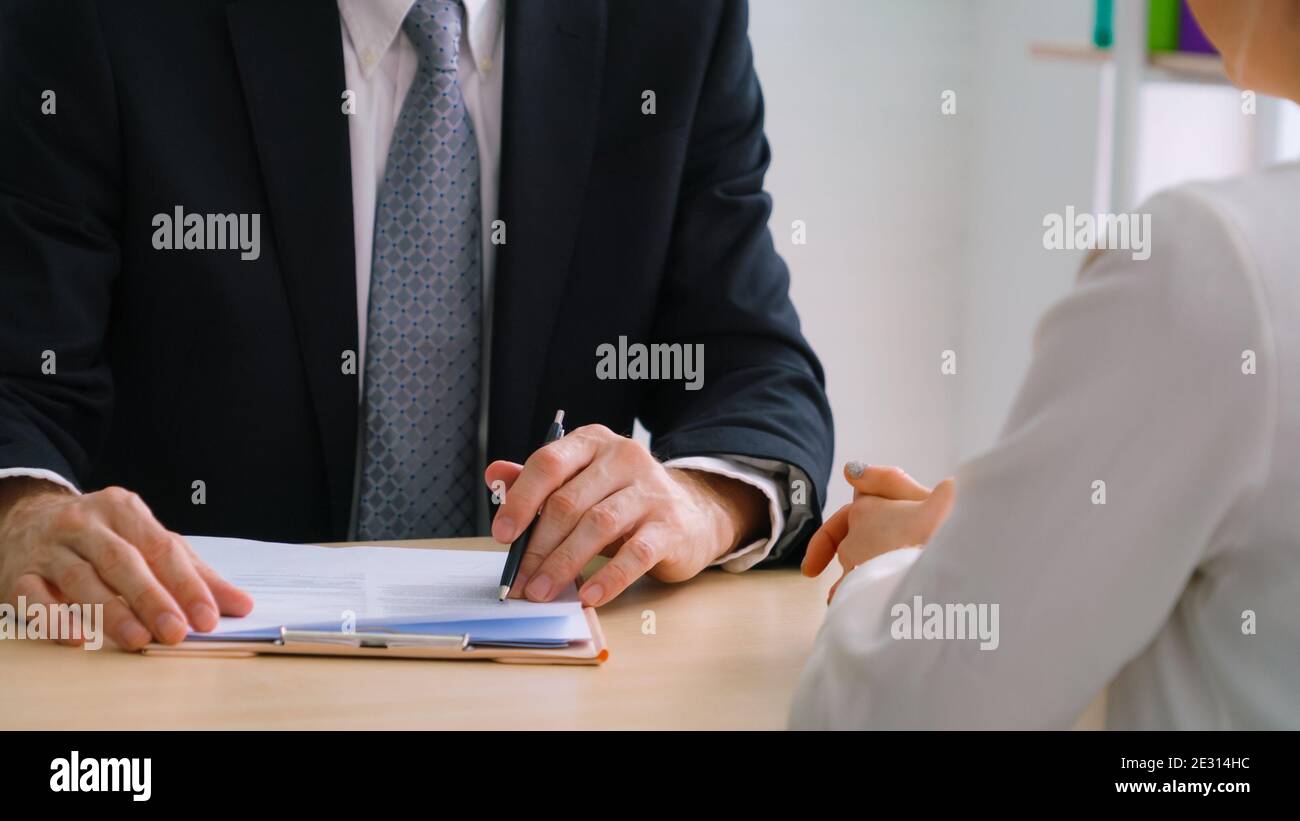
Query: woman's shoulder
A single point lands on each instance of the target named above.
(1204, 247)
(1251, 219)
(1267, 188)
(1211, 266)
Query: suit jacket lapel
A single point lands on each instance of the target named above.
(553, 63)
(290, 61)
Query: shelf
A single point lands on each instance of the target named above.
(1167, 66)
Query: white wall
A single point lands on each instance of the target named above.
(862, 154)
(1033, 152)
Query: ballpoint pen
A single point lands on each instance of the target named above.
(520, 545)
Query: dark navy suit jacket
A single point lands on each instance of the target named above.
(173, 366)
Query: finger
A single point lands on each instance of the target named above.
(122, 568)
(34, 590)
(169, 561)
(77, 578)
(878, 525)
(604, 522)
(529, 564)
(636, 557)
(231, 601)
(883, 480)
(122, 625)
(824, 543)
(935, 509)
(566, 507)
(545, 471)
(500, 476)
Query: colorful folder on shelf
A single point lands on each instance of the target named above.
(1162, 25)
(1170, 27)
(1103, 25)
(1190, 36)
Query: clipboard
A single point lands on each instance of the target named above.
(391, 645)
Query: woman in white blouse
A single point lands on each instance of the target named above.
(1138, 522)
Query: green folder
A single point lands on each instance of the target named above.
(1162, 25)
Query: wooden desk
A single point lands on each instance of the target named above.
(726, 653)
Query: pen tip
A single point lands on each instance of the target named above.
(502, 592)
(559, 416)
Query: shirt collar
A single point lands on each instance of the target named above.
(374, 25)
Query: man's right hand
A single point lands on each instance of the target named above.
(107, 548)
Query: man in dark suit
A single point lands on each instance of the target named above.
(306, 270)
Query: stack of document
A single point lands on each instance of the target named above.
(383, 589)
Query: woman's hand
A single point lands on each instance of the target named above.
(889, 510)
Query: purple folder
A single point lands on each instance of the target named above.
(1190, 36)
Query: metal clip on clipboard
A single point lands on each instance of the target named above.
(383, 641)
(390, 644)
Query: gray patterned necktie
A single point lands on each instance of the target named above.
(423, 327)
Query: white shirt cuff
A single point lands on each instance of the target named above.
(38, 473)
(875, 580)
(751, 554)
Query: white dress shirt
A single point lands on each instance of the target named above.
(1176, 382)
(379, 64)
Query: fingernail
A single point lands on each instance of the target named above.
(203, 617)
(503, 529)
(592, 594)
(855, 469)
(521, 583)
(539, 589)
(169, 628)
(134, 634)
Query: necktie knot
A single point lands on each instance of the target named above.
(434, 29)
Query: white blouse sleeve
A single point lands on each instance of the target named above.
(1136, 382)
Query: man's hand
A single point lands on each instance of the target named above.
(889, 510)
(107, 548)
(601, 493)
